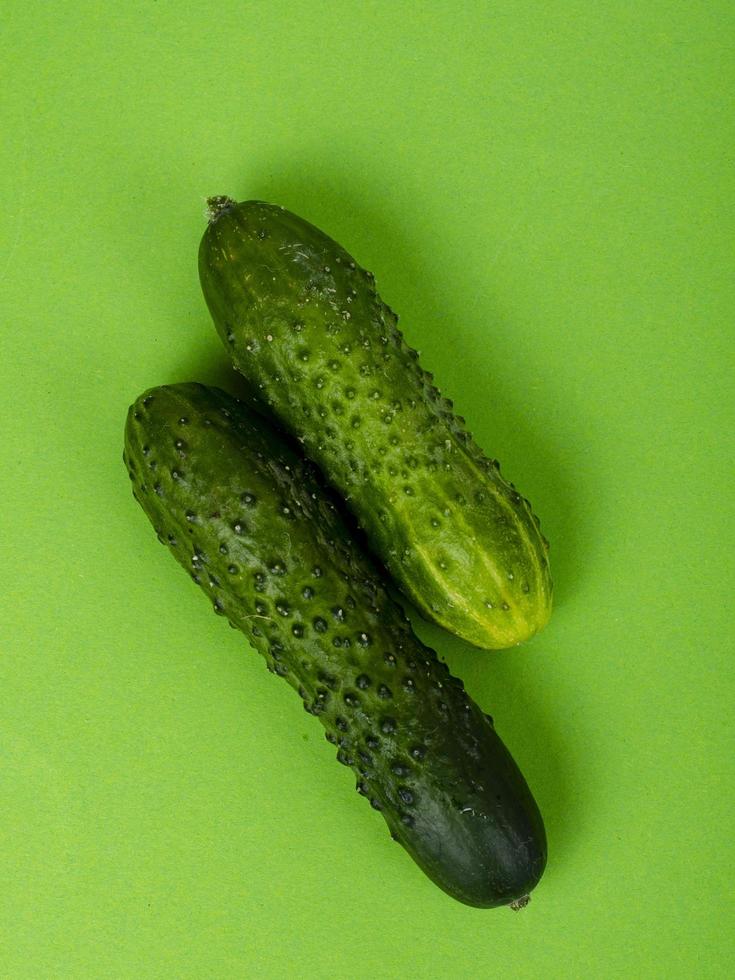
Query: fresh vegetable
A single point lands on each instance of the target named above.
(306, 327)
(254, 526)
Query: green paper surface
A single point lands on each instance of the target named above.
(544, 192)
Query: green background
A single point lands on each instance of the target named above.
(544, 191)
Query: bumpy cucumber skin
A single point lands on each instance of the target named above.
(306, 327)
(257, 531)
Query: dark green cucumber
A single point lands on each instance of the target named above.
(305, 325)
(258, 532)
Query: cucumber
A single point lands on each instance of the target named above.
(254, 526)
(305, 326)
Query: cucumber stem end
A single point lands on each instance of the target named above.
(520, 903)
(216, 206)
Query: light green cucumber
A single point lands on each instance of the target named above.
(305, 326)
